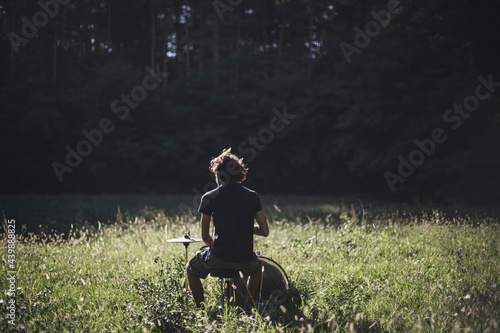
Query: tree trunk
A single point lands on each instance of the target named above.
(166, 26)
(12, 63)
(310, 40)
(281, 38)
(54, 56)
(215, 47)
(187, 44)
(266, 55)
(237, 52)
(153, 34)
(9, 27)
(264, 25)
(201, 39)
(108, 23)
(215, 41)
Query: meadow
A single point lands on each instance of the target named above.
(355, 266)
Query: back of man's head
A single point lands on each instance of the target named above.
(228, 167)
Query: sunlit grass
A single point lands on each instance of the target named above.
(372, 270)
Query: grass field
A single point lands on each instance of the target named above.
(354, 266)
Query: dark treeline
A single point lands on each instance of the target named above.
(361, 99)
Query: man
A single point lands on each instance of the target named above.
(234, 209)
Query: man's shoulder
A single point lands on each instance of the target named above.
(207, 201)
(250, 194)
(211, 194)
(249, 190)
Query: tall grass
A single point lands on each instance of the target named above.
(373, 269)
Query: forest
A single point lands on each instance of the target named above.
(396, 99)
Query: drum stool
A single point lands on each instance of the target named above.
(223, 275)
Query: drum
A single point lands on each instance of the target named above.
(273, 289)
(274, 280)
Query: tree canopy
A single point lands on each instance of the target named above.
(365, 80)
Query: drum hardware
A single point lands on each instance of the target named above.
(186, 240)
(224, 277)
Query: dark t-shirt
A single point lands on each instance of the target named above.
(232, 207)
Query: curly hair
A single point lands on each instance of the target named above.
(228, 167)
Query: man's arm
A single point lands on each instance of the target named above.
(205, 230)
(262, 229)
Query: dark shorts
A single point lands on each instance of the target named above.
(204, 262)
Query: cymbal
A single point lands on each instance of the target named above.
(184, 240)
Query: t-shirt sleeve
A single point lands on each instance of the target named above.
(258, 203)
(206, 205)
